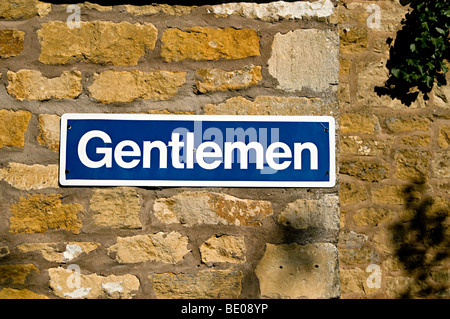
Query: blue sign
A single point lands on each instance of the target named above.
(197, 150)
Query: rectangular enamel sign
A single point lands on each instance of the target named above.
(197, 150)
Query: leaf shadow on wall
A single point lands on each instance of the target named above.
(422, 243)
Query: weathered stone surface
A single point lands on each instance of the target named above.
(206, 284)
(116, 208)
(13, 126)
(223, 249)
(220, 80)
(355, 145)
(358, 13)
(23, 9)
(11, 43)
(372, 216)
(416, 140)
(27, 177)
(372, 72)
(353, 40)
(49, 131)
(405, 124)
(397, 286)
(441, 164)
(156, 85)
(441, 96)
(39, 213)
(296, 271)
(366, 170)
(315, 213)
(101, 42)
(175, 10)
(271, 105)
(391, 194)
(11, 293)
(354, 281)
(315, 55)
(168, 248)
(412, 165)
(204, 43)
(60, 253)
(444, 136)
(16, 273)
(70, 285)
(350, 193)
(94, 6)
(353, 249)
(276, 11)
(359, 123)
(31, 85)
(194, 208)
(344, 66)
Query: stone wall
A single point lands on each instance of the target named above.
(380, 233)
(127, 242)
(394, 169)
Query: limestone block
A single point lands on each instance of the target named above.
(305, 58)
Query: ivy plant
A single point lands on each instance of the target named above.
(419, 56)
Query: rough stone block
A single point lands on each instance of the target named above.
(412, 165)
(416, 140)
(353, 40)
(405, 124)
(67, 284)
(391, 195)
(355, 145)
(57, 252)
(195, 208)
(441, 164)
(13, 126)
(11, 43)
(28, 177)
(39, 213)
(444, 136)
(31, 85)
(49, 131)
(305, 58)
(204, 43)
(359, 123)
(102, 42)
(366, 170)
(223, 249)
(11, 293)
(23, 9)
(372, 216)
(172, 10)
(276, 11)
(116, 208)
(168, 248)
(271, 105)
(315, 213)
(206, 284)
(156, 85)
(350, 193)
(296, 271)
(220, 80)
(354, 281)
(17, 273)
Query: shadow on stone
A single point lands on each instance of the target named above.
(422, 244)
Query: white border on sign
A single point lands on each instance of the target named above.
(189, 183)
